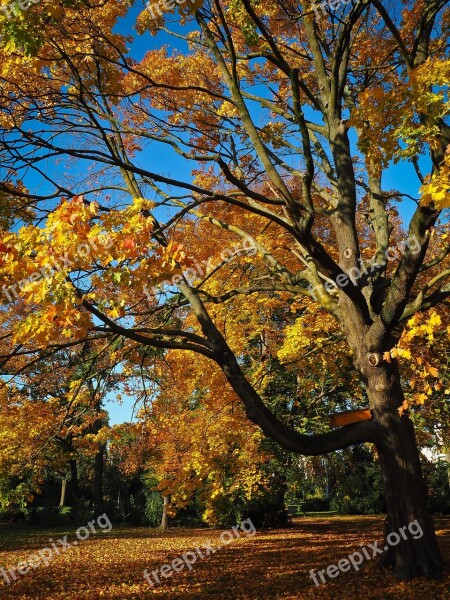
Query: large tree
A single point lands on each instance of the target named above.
(267, 101)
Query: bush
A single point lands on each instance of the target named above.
(12, 515)
(437, 479)
(153, 508)
(82, 512)
(268, 509)
(229, 510)
(52, 515)
(359, 489)
(316, 505)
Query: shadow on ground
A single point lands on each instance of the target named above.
(272, 564)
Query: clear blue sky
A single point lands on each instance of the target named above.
(163, 160)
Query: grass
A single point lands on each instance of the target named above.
(274, 563)
(323, 513)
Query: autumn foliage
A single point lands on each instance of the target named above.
(202, 218)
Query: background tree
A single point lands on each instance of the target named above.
(267, 102)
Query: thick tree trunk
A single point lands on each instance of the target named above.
(392, 434)
(410, 545)
(406, 501)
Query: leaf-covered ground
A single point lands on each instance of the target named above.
(272, 564)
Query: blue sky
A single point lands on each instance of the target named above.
(163, 160)
(399, 177)
(119, 412)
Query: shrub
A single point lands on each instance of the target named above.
(153, 508)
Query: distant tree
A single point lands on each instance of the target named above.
(283, 212)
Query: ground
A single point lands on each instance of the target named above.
(271, 564)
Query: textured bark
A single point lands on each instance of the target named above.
(406, 502)
(416, 554)
(409, 553)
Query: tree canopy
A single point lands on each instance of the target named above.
(269, 253)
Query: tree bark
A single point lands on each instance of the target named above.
(62, 501)
(165, 517)
(74, 486)
(406, 502)
(98, 481)
(447, 458)
(410, 552)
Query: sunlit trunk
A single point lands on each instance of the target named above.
(62, 500)
(165, 517)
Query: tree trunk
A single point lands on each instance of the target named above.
(406, 501)
(74, 487)
(98, 481)
(165, 518)
(447, 458)
(410, 544)
(62, 501)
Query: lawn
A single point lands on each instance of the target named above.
(270, 564)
